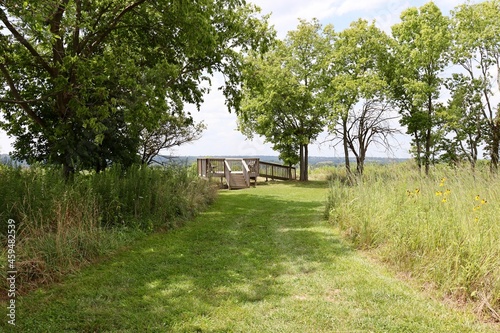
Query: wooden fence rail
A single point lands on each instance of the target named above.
(277, 171)
(249, 167)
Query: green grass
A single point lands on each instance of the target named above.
(442, 230)
(259, 260)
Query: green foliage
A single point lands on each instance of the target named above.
(442, 230)
(421, 41)
(62, 225)
(80, 80)
(462, 121)
(359, 59)
(359, 56)
(281, 92)
(476, 47)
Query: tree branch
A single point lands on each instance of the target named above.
(112, 25)
(25, 43)
(55, 29)
(17, 95)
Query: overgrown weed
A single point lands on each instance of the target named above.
(442, 230)
(64, 225)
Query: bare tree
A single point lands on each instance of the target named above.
(371, 123)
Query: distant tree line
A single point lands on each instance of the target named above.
(354, 82)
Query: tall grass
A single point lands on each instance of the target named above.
(444, 230)
(63, 225)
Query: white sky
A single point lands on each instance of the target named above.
(221, 136)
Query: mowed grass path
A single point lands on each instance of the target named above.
(260, 260)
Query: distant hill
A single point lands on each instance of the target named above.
(314, 161)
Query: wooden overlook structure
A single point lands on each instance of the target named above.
(239, 172)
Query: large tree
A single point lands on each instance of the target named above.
(422, 40)
(357, 89)
(77, 75)
(282, 99)
(476, 48)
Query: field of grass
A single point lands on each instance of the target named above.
(258, 260)
(63, 225)
(442, 230)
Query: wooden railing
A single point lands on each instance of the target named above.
(277, 171)
(211, 167)
(246, 172)
(253, 166)
(227, 173)
(235, 164)
(250, 167)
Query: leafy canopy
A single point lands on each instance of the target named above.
(282, 99)
(81, 79)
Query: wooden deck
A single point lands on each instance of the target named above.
(239, 172)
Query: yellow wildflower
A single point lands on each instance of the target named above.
(439, 193)
(444, 200)
(477, 197)
(476, 208)
(447, 192)
(483, 202)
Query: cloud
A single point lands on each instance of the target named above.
(349, 6)
(5, 141)
(285, 14)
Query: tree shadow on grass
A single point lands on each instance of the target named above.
(312, 184)
(297, 183)
(239, 252)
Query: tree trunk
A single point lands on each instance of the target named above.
(419, 152)
(428, 136)
(427, 157)
(68, 169)
(361, 161)
(306, 163)
(346, 148)
(301, 166)
(495, 147)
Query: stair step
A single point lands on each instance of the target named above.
(238, 181)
